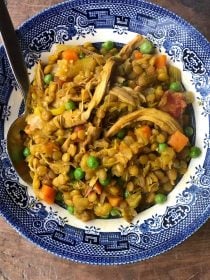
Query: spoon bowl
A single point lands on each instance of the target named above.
(15, 139)
(15, 148)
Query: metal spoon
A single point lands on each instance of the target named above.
(15, 57)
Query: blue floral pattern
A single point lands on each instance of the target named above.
(150, 233)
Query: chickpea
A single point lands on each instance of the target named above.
(72, 150)
(130, 186)
(92, 197)
(49, 97)
(167, 187)
(48, 69)
(160, 174)
(137, 69)
(56, 155)
(132, 75)
(60, 132)
(42, 170)
(86, 216)
(134, 148)
(150, 197)
(152, 156)
(143, 159)
(172, 174)
(102, 210)
(55, 182)
(163, 77)
(123, 204)
(150, 97)
(51, 174)
(118, 169)
(81, 134)
(160, 138)
(154, 147)
(74, 192)
(101, 173)
(80, 203)
(133, 170)
(159, 92)
(113, 190)
(73, 136)
(62, 179)
(129, 140)
(66, 157)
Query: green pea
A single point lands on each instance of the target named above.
(81, 55)
(71, 174)
(189, 131)
(105, 217)
(121, 134)
(26, 152)
(146, 47)
(70, 105)
(92, 162)
(59, 197)
(120, 181)
(162, 147)
(127, 194)
(48, 78)
(194, 152)
(108, 45)
(115, 212)
(160, 198)
(70, 209)
(175, 86)
(79, 174)
(105, 182)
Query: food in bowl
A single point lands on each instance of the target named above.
(110, 130)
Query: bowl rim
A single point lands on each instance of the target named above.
(201, 221)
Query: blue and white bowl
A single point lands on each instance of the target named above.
(154, 230)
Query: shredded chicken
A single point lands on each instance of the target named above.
(123, 95)
(127, 49)
(39, 77)
(100, 89)
(162, 119)
(127, 95)
(101, 133)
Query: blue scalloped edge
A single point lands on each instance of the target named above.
(173, 242)
(146, 3)
(103, 261)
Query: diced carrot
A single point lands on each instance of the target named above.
(137, 55)
(114, 200)
(146, 131)
(47, 194)
(78, 128)
(98, 188)
(49, 148)
(160, 61)
(70, 54)
(178, 141)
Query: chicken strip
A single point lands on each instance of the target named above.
(161, 119)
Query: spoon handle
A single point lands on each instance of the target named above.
(13, 49)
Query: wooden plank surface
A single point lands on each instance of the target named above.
(19, 259)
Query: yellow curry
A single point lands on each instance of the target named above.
(109, 133)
